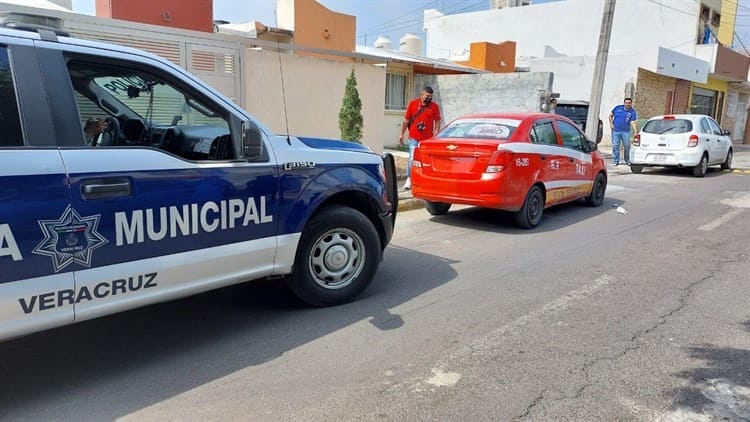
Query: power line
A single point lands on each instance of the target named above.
(392, 21)
(409, 19)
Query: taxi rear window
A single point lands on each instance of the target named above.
(501, 129)
(662, 126)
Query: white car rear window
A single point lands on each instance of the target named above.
(662, 126)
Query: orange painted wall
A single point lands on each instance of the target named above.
(186, 14)
(318, 27)
(497, 58)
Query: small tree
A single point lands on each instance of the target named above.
(350, 115)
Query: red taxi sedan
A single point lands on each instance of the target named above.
(519, 162)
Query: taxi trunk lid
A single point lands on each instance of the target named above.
(456, 158)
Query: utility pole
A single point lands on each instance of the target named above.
(592, 121)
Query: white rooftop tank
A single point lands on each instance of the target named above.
(411, 43)
(383, 42)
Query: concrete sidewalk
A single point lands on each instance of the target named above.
(406, 202)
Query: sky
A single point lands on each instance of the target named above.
(391, 18)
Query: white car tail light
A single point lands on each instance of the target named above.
(693, 141)
(637, 140)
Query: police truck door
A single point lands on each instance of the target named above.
(175, 210)
(40, 235)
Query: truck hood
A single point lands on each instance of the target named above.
(335, 144)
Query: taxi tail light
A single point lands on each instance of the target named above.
(693, 140)
(498, 161)
(416, 160)
(637, 140)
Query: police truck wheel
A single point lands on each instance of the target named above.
(533, 207)
(337, 257)
(437, 208)
(596, 197)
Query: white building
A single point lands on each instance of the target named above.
(655, 55)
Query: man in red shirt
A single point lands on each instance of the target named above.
(422, 118)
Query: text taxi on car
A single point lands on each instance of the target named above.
(183, 191)
(520, 162)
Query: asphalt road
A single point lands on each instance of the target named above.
(594, 315)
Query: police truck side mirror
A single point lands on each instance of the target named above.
(252, 141)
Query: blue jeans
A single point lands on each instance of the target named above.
(412, 145)
(620, 136)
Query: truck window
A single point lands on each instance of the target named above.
(140, 108)
(10, 122)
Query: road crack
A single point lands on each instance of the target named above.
(534, 403)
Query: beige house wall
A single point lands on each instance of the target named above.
(314, 89)
(651, 93)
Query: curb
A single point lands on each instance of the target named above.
(408, 203)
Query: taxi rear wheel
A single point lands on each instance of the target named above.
(530, 214)
(437, 208)
(337, 257)
(596, 197)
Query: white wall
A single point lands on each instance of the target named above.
(459, 95)
(571, 27)
(573, 77)
(314, 90)
(284, 14)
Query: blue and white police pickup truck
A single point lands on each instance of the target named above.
(182, 191)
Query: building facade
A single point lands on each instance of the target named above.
(671, 56)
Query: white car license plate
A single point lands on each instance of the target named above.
(658, 157)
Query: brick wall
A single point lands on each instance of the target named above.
(651, 94)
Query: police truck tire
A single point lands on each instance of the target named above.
(437, 208)
(596, 197)
(337, 257)
(533, 207)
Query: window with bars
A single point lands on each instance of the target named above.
(395, 91)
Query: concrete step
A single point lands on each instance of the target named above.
(406, 202)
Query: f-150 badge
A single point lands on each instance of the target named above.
(299, 165)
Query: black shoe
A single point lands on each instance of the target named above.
(628, 163)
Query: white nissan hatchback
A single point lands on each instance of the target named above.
(693, 141)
